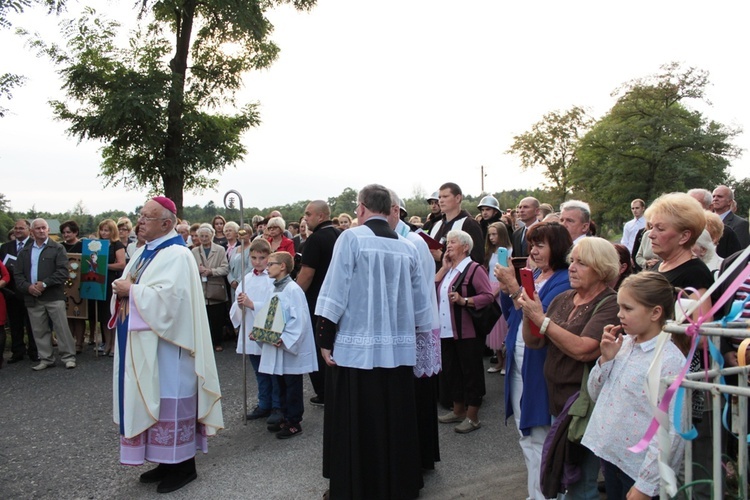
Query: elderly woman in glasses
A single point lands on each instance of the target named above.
(124, 229)
(279, 242)
(213, 267)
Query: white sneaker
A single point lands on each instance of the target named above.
(70, 364)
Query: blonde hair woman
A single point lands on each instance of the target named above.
(107, 230)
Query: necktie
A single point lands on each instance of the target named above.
(523, 241)
(256, 272)
(20, 246)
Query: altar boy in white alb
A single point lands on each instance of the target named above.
(294, 354)
(251, 296)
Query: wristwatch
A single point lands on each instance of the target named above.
(44, 285)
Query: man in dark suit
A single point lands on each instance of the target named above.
(723, 197)
(40, 273)
(728, 243)
(527, 211)
(18, 317)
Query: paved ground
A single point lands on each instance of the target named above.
(57, 440)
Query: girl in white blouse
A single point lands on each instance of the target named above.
(617, 384)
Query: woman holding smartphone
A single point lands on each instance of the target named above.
(570, 331)
(525, 388)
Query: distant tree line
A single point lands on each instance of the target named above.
(292, 212)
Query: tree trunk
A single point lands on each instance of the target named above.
(173, 190)
(173, 174)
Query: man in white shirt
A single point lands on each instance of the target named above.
(632, 227)
(40, 274)
(575, 215)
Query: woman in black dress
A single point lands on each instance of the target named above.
(115, 265)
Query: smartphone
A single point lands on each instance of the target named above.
(502, 256)
(527, 282)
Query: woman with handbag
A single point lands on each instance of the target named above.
(462, 284)
(525, 388)
(213, 267)
(571, 330)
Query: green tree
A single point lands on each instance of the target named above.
(345, 202)
(651, 142)
(4, 203)
(6, 218)
(160, 121)
(741, 190)
(551, 145)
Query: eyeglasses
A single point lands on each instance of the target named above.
(149, 219)
(273, 263)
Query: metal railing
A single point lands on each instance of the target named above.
(715, 390)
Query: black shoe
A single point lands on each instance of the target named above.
(275, 427)
(156, 474)
(257, 413)
(175, 480)
(317, 401)
(289, 431)
(276, 417)
(15, 359)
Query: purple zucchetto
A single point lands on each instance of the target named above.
(166, 203)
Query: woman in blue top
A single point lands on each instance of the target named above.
(525, 387)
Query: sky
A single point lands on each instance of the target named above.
(405, 93)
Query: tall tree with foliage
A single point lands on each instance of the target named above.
(158, 103)
(551, 145)
(651, 142)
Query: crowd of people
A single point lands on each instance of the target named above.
(381, 311)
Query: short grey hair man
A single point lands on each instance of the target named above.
(575, 215)
(704, 197)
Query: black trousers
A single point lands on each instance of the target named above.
(463, 369)
(215, 314)
(18, 317)
(318, 378)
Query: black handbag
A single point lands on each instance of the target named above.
(486, 318)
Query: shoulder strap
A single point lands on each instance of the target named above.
(463, 274)
(601, 303)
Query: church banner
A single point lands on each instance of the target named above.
(94, 269)
(76, 306)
